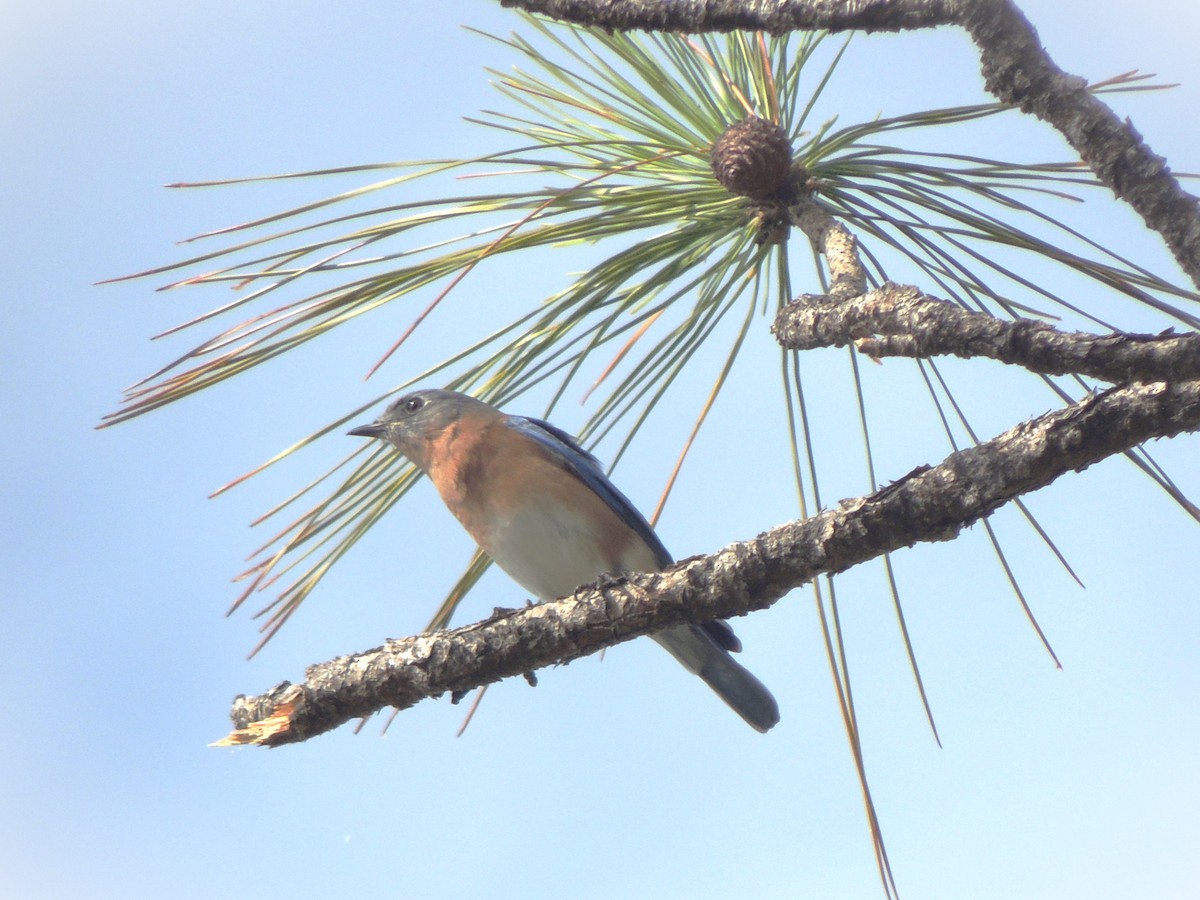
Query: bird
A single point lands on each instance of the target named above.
(542, 508)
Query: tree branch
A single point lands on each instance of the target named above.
(910, 323)
(835, 242)
(928, 504)
(1016, 69)
(772, 16)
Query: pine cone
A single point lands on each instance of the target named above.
(752, 158)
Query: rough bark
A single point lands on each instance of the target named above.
(900, 320)
(835, 242)
(928, 504)
(772, 16)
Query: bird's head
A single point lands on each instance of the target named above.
(413, 422)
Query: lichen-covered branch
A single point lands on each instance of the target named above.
(928, 504)
(838, 246)
(899, 320)
(1016, 69)
(772, 16)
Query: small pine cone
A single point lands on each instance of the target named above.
(752, 158)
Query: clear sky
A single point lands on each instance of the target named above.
(620, 778)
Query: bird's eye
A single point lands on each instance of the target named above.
(412, 404)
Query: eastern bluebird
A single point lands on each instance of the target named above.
(542, 509)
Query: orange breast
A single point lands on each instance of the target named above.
(538, 521)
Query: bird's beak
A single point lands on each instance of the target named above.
(374, 430)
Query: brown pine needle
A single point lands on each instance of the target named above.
(616, 360)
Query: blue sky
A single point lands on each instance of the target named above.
(619, 778)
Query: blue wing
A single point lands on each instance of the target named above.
(587, 469)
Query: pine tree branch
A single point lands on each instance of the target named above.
(928, 504)
(899, 320)
(1016, 69)
(772, 16)
(836, 243)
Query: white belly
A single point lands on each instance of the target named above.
(550, 551)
